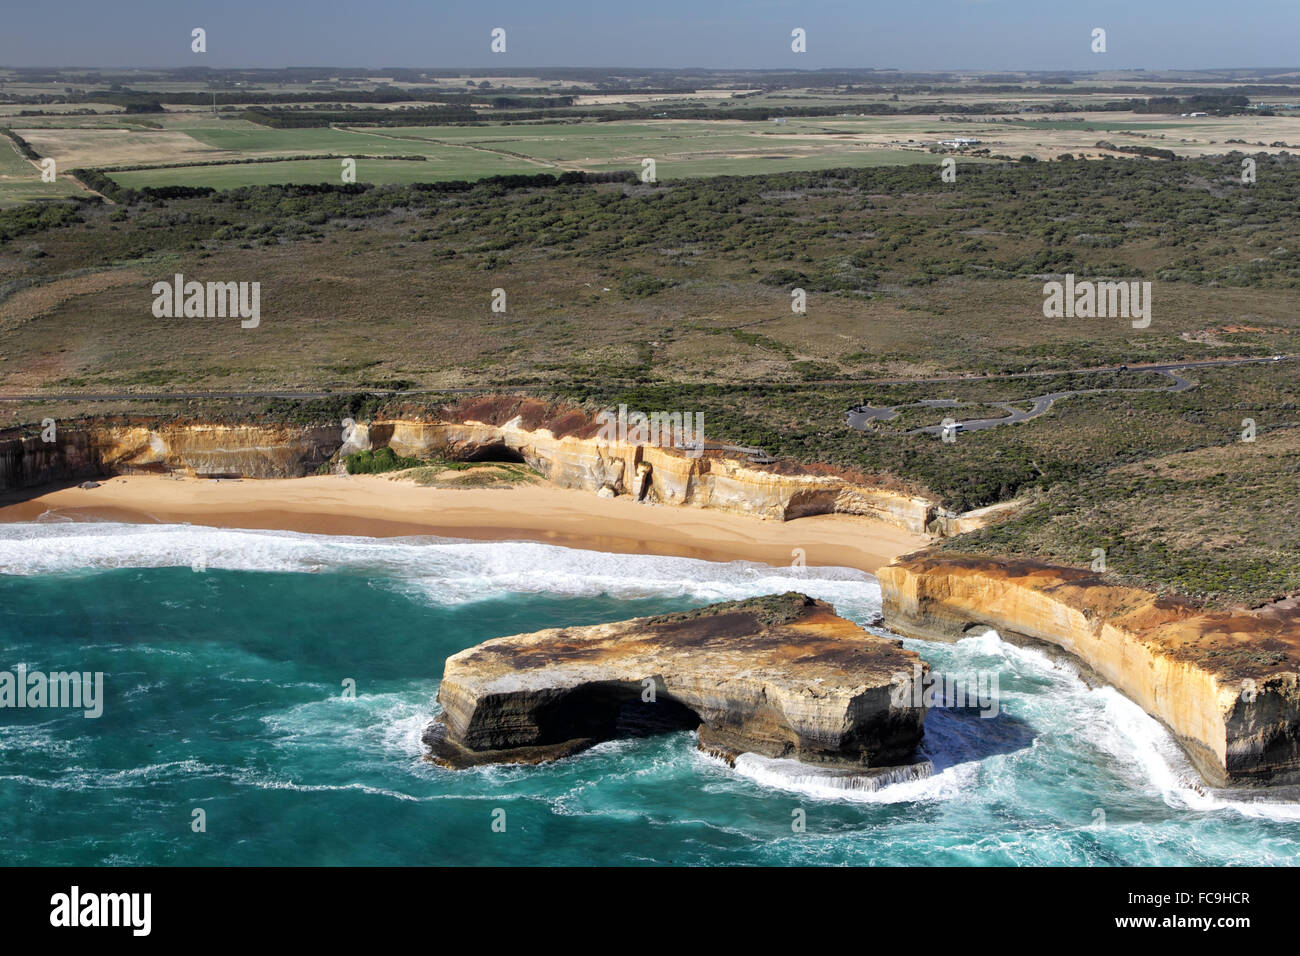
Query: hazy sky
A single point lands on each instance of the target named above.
(907, 34)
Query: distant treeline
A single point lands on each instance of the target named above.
(1221, 104)
(130, 98)
(1151, 152)
(23, 146)
(135, 101)
(534, 180)
(558, 109)
(748, 113)
(99, 181)
(415, 116)
(82, 112)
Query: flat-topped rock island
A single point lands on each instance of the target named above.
(781, 676)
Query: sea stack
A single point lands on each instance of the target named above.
(780, 676)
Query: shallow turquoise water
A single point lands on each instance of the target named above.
(224, 691)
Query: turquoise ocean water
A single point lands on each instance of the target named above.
(223, 691)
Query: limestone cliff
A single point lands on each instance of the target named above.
(83, 450)
(28, 461)
(247, 451)
(666, 475)
(1225, 682)
(649, 473)
(780, 676)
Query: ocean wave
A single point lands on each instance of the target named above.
(910, 784)
(77, 778)
(389, 723)
(1139, 746)
(332, 788)
(440, 570)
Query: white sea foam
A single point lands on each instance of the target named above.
(92, 778)
(332, 788)
(1051, 697)
(1141, 746)
(442, 570)
(907, 783)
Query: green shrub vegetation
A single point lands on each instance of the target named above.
(378, 461)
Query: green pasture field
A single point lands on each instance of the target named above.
(681, 149)
(250, 140)
(452, 165)
(20, 180)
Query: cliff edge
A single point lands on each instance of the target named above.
(1225, 682)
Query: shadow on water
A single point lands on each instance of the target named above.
(960, 735)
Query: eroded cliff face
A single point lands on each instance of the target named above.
(650, 473)
(1225, 682)
(82, 450)
(781, 676)
(26, 462)
(246, 451)
(645, 472)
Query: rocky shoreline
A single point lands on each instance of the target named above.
(1223, 682)
(781, 676)
(569, 454)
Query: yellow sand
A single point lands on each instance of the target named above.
(378, 506)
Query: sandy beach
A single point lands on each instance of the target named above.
(380, 507)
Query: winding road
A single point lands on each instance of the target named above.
(857, 417)
(860, 416)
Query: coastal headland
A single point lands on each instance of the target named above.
(1223, 681)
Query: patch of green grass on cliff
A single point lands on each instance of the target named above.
(769, 610)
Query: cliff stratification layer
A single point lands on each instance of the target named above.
(581, 459)
(780, 676)
(1225, 682)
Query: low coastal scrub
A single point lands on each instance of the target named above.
(466, 474)
(378, 461)
(769, 610)
(678, 296)
(1211, 524)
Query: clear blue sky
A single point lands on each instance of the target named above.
(906, 34)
